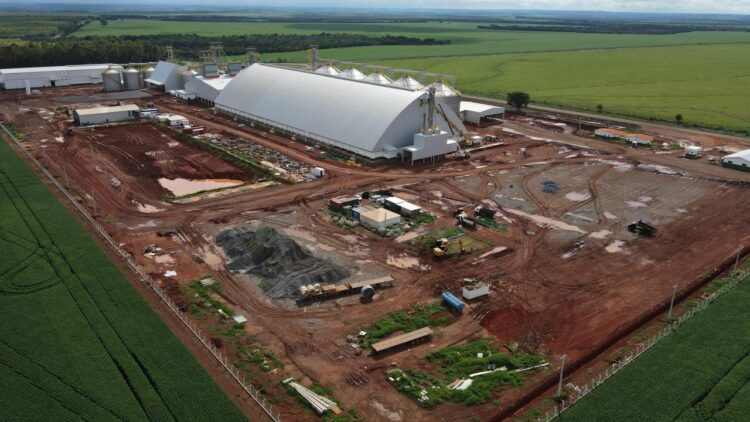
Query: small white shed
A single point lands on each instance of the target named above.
(379, 218)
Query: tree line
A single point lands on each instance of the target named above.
(617, 28)
(147, 48)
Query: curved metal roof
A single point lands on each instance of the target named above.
(362, 117)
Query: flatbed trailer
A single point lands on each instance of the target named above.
(333, 290)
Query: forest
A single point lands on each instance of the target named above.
(145, 48)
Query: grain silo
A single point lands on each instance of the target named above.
(132, 79)
(111, 78)
(148, 72)
(352, 73)
(188, 75)
(378, 78)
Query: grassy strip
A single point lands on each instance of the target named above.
(419, 316)
(430, 389)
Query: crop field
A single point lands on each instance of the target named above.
(465, 38)
(701, 372)
(708, 85)
(77, 341)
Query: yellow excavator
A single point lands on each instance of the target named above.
(443, 246)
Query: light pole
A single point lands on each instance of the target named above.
(671, 304)
(562, 370)
(737, 259)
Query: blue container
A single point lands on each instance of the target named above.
(453, 301)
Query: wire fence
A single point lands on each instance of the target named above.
(580, 392)
(149, 281)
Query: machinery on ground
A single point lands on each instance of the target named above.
(642, 229)
(365, 288)
(447, 246)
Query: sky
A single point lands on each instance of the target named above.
(670, 6)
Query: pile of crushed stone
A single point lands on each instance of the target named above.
(283, 264)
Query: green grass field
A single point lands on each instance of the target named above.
(465, 38)
(699, 373)
(77, 342)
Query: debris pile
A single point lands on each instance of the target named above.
(262, 154)
(283, 264)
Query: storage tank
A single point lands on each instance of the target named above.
(111, 80)
(132, 79)
(368, 292)
(453, 301)
(148, 72)
(188, 75)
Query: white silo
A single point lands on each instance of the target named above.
(132, 79)
(148, 72)
(188, 75)
(111, 79)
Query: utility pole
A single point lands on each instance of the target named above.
(65, 175)
(737, 259)
(671, 304)
(93, 198)
(562, 370)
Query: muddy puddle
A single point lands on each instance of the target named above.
(182, 187)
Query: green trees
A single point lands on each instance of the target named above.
(678, 119)
(518, 100)
(146, 48)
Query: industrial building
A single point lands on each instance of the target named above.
(379, 218)
(51, 76)
(166, 76)
(479, 114)
(738, 160)
(637, 139)
(207, 89)
(398, 205)
(104, 115)
(403, 340)
(369, 119)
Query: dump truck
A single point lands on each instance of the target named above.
(642, 228)
(484, 212)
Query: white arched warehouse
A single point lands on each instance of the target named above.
(368, 119)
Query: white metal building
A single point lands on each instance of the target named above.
(366, 118)
(207, 89)
(479, 114)
(39, 77)
(167, 76)
(379, 218)
(104, 115)
(740, 160)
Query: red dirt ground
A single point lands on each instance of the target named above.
(579, 306)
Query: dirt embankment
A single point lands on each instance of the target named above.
(283, 264)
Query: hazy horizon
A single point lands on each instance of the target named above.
(618, 6)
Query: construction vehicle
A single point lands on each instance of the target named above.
(484, 212)
(443, 246)
(365, 288)
(464, 220)
(642, 229)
